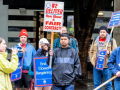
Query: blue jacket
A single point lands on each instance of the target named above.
(27, 55)
(114, 62)
(37, 54)
(57, 44)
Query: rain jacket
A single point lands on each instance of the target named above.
(6, 68)
(27, 55)
(66, 67)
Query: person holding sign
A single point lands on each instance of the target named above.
(6, 67)
(72, 43)
(114, 66)
(44, 47)
(98, 44)
(66, 67)
(27, 57)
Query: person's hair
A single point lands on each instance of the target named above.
(70, 34)
(44, 51)
(1, 39)
(65, 27)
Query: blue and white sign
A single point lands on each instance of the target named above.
(16, 75)
(115, 19)
(101, 60)
(42, 72)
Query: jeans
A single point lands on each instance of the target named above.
(70, 87)
(117, 85)
(99, 74)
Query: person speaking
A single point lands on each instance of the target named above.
(6, 66)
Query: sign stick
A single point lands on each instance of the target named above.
(52, 37)
(105, 83)
(109, 38)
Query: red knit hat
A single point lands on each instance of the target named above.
(23, 33)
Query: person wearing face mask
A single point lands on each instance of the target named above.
(99, 44)
(44, 47)
(6, 67)
(71, 43)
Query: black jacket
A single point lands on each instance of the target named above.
(66, 66)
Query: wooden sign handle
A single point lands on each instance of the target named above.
(105, 83)
(52, 38)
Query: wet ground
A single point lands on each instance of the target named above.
(81, 85)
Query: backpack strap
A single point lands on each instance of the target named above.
(111, 40)
(94, 39)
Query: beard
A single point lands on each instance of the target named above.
(103, 37)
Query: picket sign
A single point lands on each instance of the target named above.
(53, 22)
(53, 19)
(105, 83)
(16, 75)
(42, 72)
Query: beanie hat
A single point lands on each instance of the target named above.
(103, 28)
(43, 41)
(65, 35)
(23, 33)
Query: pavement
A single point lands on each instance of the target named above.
(81, 84)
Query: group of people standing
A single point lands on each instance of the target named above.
(66, 66)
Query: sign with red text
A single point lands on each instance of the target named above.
(53, 16)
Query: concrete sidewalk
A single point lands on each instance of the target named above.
(80, 85)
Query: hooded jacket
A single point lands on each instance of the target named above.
(6, 68)
(94, 50)
(66, 66)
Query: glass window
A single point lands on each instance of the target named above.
(70, 24)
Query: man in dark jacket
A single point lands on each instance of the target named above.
(66, 67)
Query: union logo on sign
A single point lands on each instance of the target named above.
(48, 5)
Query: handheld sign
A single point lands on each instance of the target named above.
(42, 72)
(16, 75)
(115, 19)
(101, 59)
(53, 17)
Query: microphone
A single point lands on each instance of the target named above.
(9, 49)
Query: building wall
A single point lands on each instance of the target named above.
(18, 20)
(4, 21)
(101, 20)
